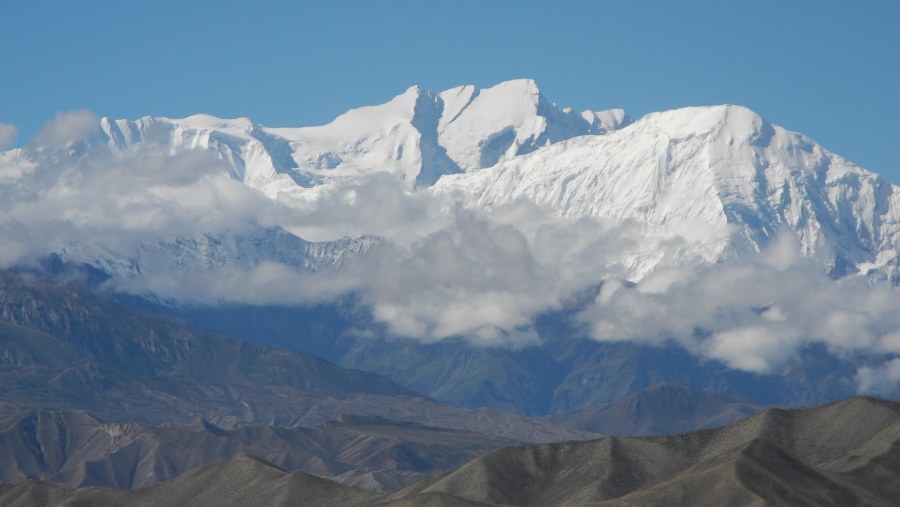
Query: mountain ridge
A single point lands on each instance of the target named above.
(409, 136)
(775, 457)
(63, 347)
(76, 449)
(719, 166)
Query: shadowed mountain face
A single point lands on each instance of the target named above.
(64, 348)
(845, 453)
(566, 371)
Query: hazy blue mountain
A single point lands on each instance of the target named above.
(567, 370)
(65, 348)
(658, 410)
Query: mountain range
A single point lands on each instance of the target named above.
(473, 227)
(566, 370)
(77, 449)
(841, 454)
(722, 169)
(65, 348)
(94, 393)
(415, 284)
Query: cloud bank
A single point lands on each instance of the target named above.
(111, 204)
(752, 314)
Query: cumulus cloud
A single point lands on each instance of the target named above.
(445, 271)
(7, 135)
(473, 279)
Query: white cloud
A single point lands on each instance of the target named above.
(7, 135)
(473, 279)
(374, 205)
(882, 380)
(753, 348)
(262, 284)
(752, 314)
(115, 203)
(890, 342)
(66, 128)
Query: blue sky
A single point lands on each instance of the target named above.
(829, 69)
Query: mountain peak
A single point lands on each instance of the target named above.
(481, 126)
(734, 121)
(522, 87)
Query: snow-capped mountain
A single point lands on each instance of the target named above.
(466, 216)
(481, 127)
(721, 177)
(418, 136)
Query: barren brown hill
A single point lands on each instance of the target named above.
(77, 449)
(842, 454)
(241, 480)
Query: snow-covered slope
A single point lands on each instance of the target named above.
(720, 177)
